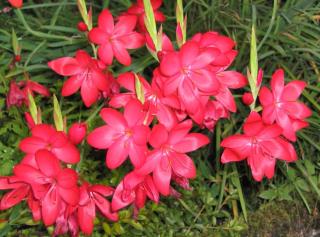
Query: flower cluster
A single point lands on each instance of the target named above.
(267, 137)
(147, 121)
(53, 191)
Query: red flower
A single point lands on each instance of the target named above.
(155, 103)
(85, 73)
(123, 135)
(138, 10)
(115, 39)
(213, 112)
(45, 136)
(169, 156)
(186, 73)
(281, 105)
(16, 3)
(67, 221)
(77, 132)
(260, 144)
(18, 92)
(134, 189)
(59, 184)
(92, 197)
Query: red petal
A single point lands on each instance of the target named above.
(229, 155)
(265, 96)
(86, 216)
(67, 153)
(102, 137)
(32, 144)
(261, 166)
(125, 25)
(50, 207)
(114, 119)
(182, 165)
(151, 189)
(189, 96)
(189, 52)
(102, 189)
(285, 123)
(297, 110)
(70, 195)
(158, 136)
(253, 124)
(170, 64)
(48, 163)
(105, 21)
(14, 197)
(236, 141)
(104, 207)
(133, 113)
(67, 178)
(65, 66)
(232, 79)
(162, 176)
(105, 53)
(71, 85)
(89, 93)
(191, 142)
(153, 159)
(225, 97)
(29, 174)
(277, 83)
(270, 131)
(118, 201)
(137, 154)
(179, 132)
(293, 90)
(98, 36)
(120, 53)
(117, 154)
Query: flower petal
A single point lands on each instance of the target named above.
(105, 21)
(191, 142)
(114, 119)
(117, 153)
(47, 163)
(102, 137)
(182, 165)
(162, 176)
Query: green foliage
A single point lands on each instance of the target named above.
(287, 35)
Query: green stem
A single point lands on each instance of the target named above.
(37, 33)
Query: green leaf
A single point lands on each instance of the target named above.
(33, 108)
(268, 194)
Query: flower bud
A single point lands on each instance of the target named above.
(16, 3)
(17, 58)
(247, 98)
(82, 26)
(77, 132)
(29, 120)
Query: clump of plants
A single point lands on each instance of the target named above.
(152, 121)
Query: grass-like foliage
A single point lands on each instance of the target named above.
(224, 199)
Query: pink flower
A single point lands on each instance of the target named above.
(281, 105)
(16, 3)
(67, 221)
(125, 134)
(138, 10)
(29, 120)
(77, 132)
(115, 39)
(92, 197)
(85, 74)
(44, 136)
(18, 92)
(187, 74)
(134, 189)
(260, 144)
(50, 183)
(155, 103)
(213, 112)
(169, 156)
